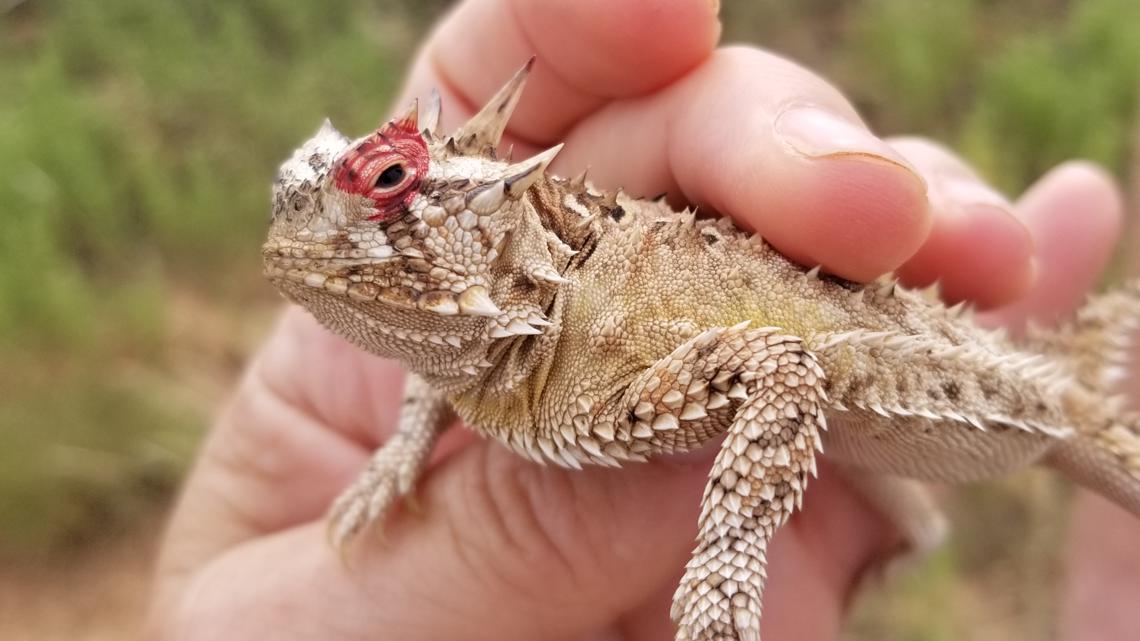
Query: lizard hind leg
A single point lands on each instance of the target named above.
(1106, 461)
(1095, 345)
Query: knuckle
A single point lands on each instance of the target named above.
(781, 80)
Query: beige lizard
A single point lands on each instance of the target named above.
(583, 327)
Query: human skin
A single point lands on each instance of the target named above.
(500, 548)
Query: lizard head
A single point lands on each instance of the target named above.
(409, 242)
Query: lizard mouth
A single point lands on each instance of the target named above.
(332, 270)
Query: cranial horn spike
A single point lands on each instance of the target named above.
(487, 199)
(486, 128)
(432, 114)
(520, 176)
(327, 128)
(579, 181)
(408, 120)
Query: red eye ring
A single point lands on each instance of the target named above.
(387, 168)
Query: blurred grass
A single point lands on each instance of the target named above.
(139, 137)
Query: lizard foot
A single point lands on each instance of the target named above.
(391, 474)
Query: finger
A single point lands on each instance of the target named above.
(566, 551)
(754, 136)
(977, 249)
(588, 52)
(1074, 214)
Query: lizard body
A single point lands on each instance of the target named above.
(587, 327)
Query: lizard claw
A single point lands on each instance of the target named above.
(371, 497)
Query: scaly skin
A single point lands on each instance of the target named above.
(577, 326)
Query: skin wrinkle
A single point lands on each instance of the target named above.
(243, 453)
(306, 411)
(484, 507)
(365, 428)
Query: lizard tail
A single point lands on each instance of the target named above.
(1106, 461)
(1096, 342)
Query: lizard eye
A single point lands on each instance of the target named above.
(386, 168)
(390, 177)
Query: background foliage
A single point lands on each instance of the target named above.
(138, 139)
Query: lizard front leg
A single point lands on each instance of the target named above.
(768, 390)
(396, 466)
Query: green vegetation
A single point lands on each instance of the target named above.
(1016, 85)
(139, 138)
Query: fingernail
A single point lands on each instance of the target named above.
(816, 133)
(972, 198)
(960, 194)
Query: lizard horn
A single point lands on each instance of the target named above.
(410, 118)
(481, 134)
(430, 122)
(327, 130)
(521, 175)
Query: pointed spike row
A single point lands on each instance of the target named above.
(475, 301)
(538, 320)
(430, 122)
(933, 291)
(547, 274)
(484, 130)
(487, 199)
(887, 289)
(521, 175)
(812, 273)
(521, 327)
(610, 198)
(579, 181)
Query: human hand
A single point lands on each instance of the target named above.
(502, 548)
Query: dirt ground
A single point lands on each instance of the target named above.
(98, 596)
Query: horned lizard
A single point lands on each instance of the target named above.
(578, 326)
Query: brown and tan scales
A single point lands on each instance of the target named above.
(587, 327)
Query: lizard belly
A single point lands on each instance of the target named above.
(930, 450)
